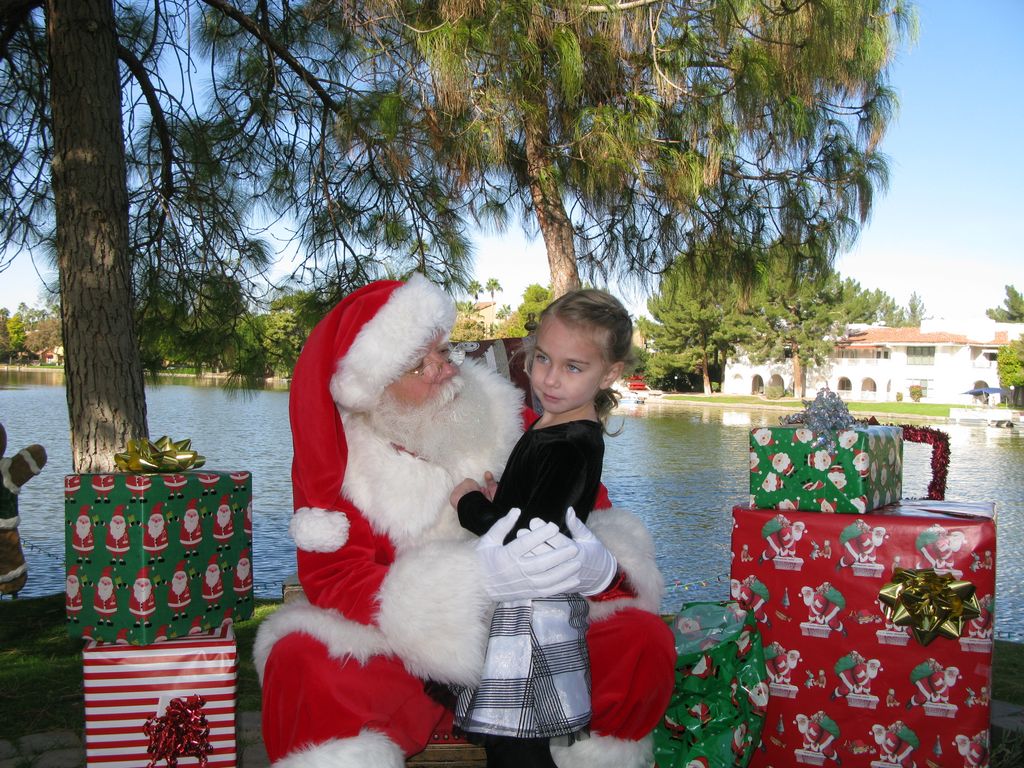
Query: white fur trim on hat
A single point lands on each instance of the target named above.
(628, 539)
(369, 748)
(318, 530)
(433, 611)
(605, 752)
(391, 342)
(341, 637)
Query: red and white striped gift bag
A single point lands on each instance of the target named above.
(126, 685)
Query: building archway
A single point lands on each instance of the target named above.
(980, 385)
(844, 386)
(757, 385)
(777, 382)
(868, 390)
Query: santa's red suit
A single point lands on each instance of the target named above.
(393, 583)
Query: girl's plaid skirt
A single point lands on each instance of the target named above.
(536, 677)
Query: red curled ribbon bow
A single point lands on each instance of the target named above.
(182, 731)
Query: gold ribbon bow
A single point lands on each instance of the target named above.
(929, 603)
(165, 455)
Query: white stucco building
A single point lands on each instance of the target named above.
(877, 362)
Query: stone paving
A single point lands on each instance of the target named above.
(65, 749)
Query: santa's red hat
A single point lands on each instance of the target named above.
(213, 561)
(143, 573)
(224, 499)
(73, 571)
(107, 573)
(360, 347)
(180, 566)
(192, 504)
(118, 511)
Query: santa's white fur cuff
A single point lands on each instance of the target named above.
(628, 539)
(367, 749)
(433, 611)
(605, 752)
(318, 530)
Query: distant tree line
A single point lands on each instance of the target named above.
(695, 328)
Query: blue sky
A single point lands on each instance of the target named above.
(947, 227)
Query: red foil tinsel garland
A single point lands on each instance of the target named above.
(939, 441)
(182, 731)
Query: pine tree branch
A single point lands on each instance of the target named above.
(253, 28)
(159, 119)
(609, 7)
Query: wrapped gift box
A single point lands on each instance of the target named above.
(716, 712)
(126, 685)
(848, 685)
(152, 557)
(791, 468)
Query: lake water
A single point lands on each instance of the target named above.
(681, 468)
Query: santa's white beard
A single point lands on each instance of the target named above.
(428, 430)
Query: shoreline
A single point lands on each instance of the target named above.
(673, 400)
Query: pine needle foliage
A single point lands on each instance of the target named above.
(628, 133)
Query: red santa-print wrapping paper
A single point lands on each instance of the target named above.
(847, 686)
(126, 685)
(152, 557)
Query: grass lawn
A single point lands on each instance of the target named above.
(928, 410)
(41, 667)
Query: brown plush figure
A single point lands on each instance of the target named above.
(15, 471)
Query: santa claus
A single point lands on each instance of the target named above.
(190, 530)
(116, 542)
(223, 524)
(82, 540)
(242, 583)
(179, 596)
(104, 600)
(142, 603)
(72, 594)
(383, 427)
(213, 584)
(154, 538)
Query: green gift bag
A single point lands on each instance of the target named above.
(717, 709)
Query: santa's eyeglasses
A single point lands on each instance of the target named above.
(432, 364)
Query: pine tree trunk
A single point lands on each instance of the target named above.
(706, 376)
(103, 368)
(552, 219)
(798, 375)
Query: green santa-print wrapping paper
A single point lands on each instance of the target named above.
(849, 471)
(151, 557)
(716, 713)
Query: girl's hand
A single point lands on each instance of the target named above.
(460, 490)
(490, 486)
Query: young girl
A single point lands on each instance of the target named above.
(536, 678)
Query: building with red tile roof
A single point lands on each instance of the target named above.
(878, 363)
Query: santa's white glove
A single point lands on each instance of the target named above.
(511, 572)
(597, 564)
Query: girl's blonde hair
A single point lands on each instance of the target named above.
(592, 309)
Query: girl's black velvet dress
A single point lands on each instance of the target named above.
(548, 471)
(536, 678)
